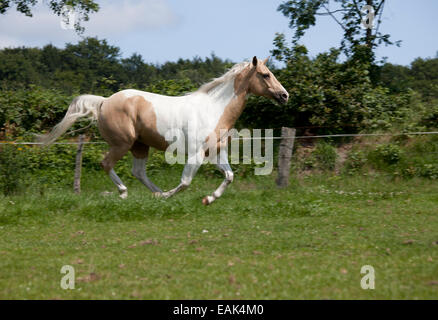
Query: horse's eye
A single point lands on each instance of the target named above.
(266, 75)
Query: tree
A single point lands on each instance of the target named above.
(136, 72)
(395, 77)
(82, 7)
(421, 76)
(425, 77)
(98, 61)
(353, 17)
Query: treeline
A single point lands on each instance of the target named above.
(421, 75)
(93, 65)
(326, 95)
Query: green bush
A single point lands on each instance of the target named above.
(430, 118)
(382, 110)
(325, 155)
(309, 163)
(386, 154)
(356, 160)
(429, 171)
(33, 109)
(13, 168)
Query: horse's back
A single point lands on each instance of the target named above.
(124, 119)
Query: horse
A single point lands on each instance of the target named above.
(134, 120)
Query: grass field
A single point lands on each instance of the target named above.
(308, 241)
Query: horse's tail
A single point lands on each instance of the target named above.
(81, 106)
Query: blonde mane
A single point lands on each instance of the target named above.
(228, 76)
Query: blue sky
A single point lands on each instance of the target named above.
(165, 30)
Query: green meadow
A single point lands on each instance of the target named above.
(308, 241)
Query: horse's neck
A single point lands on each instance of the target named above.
(222, 94)
(229, 103)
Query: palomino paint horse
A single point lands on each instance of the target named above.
(133, 120)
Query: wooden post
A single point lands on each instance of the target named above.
(285, 155)
(78, 165)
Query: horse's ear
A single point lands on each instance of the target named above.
(254, 61)
(266, 60)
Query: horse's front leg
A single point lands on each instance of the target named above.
(189, 172)
(222, 164)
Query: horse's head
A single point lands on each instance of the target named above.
(262, 82)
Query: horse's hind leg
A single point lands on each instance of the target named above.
(115, 154)
(140, 152)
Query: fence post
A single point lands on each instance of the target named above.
(285, 155)
(78, 165)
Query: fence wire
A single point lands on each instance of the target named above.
(258, 138)
(340, 135)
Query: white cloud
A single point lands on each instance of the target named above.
(114, 19)
(131, 16)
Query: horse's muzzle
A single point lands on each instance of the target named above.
(282, 97)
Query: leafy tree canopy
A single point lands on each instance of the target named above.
(351, 15)
(82, 7)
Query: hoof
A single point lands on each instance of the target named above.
(123, 194)
(207, 200)
(158, 194)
